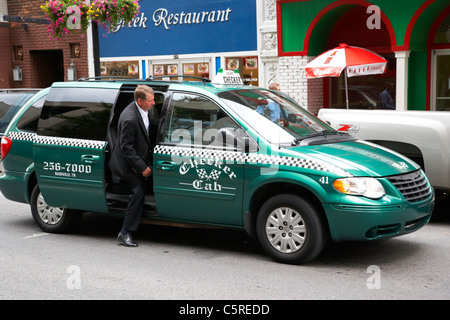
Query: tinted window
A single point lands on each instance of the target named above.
(196, 120)
(7, 100)
(29, 120)
(80, 113)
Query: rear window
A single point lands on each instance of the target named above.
(79, 113)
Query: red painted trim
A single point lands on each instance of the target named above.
(292, 54)
(281, 53)
(318, 17)
(279, 29)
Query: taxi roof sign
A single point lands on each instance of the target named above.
(227, 77)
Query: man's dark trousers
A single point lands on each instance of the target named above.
(135, 207)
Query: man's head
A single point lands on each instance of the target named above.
(274, 86)
(144, 97)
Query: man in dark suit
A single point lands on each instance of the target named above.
(132, 157)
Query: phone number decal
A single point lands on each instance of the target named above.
(67, 169)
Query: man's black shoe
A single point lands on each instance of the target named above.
(126, 240)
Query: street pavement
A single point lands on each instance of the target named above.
(199, 264)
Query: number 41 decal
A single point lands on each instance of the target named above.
(324, 180)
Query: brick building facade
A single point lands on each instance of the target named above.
(25, 44)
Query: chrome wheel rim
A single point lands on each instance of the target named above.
(286, 230)
(48, 214)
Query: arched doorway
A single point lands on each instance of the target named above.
(364, 92)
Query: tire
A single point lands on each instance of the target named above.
(290, 230)
(52, 219)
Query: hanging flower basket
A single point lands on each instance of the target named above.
(66, 16)
(111, 13)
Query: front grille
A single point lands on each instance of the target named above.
(413, 186)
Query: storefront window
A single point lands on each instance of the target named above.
(441, 68)
(120, 69)
(442, 80)
(366, 92)
(194, 69)
(165, 69)
(247, 66)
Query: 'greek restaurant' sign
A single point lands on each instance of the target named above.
(181, 27)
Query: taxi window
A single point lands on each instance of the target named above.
(29, 120)
(80, 113)
(277, 119)
(196, 120)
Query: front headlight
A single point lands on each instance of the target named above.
(366, 187)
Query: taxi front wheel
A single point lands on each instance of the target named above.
(52, 219)
(290, 230)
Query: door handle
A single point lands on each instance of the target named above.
(165, 165)
(90, 159)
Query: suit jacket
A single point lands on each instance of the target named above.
(133, 150)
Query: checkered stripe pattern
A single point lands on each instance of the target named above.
(22, 136)
(251, 158)
(201, 153)
(92, 144)
(32, 137)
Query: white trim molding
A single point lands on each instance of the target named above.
(401, 99)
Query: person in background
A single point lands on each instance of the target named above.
(274, 86)
(274, 108)
(385, 98)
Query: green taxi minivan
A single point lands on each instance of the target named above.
(226, 155)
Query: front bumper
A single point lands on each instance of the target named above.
(359, 222)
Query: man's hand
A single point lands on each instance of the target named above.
(147, 172)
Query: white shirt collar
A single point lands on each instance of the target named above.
(144, 115)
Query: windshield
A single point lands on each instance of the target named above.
(277, 119)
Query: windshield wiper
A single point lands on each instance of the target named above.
(322, 133)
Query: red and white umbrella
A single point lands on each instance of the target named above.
(355, 60)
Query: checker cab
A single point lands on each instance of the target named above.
(226, 155)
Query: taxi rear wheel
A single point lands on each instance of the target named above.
(290, 230)
(52, 219)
